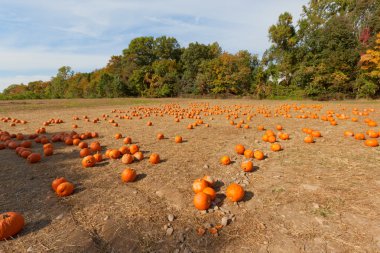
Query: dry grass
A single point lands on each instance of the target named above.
(320, 197)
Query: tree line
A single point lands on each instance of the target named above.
(332, 52)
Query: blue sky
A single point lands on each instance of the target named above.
(37, 37)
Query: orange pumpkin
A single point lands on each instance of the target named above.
(10, 224)
(128, 175)
(34, 158)
(115, 154)
(348, 133)
(118, 136)
(308, 139)
(359, 136)
(211, 192)
(84, 152)
(124, 150)
(248, 153)
(65, 189)
(57, 182)
(138, 155)
(199, 185)
(235, 192)
(95, 146)
(272, 139)
(127, 159)
(209, 179)
(371, 143)
(239, 149)
(154, 158)
(48, 151)
(127, 140)
(316, 134)
(259, 155)
(160, 136)
(98, 157)
(225, 160)
(134, 148)
(178, 139)
(88, 161)
(275, 147)
(202, 201)
(83, 145)
(247, 166)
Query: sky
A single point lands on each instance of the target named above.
(38, 37)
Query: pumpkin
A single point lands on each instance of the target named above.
(47, 145)
(284, 136)
(272, 139)
(154, 158)
(13, 145)
(371, 143)
(279, 127)
(25, 153)
(127, 140)
(82, 145)
(199, 184)
(69, 141)
(10, 224)
(265, 137)
(118, 136)
(235, 192)
(260, 128)
(139, 155)
(84, 152)
(95, 146)
(65, 189)
(128, 175)
(239, 149)
(48, 151)
(348, 133)
(115, 154)
(209, 179)
(211, 192)
(124, 150)
(225, 160)
(275, 147)
(133, 149)
(160, 136)
(247, 166)
(359, 136)
(178, 139)
(259, 155)
(149, 123)
(26, 144)
(127, 159)
(248, 153)
(202, 201)
(316, 134)
(57, 182)
(308, 139)
(34, 158)
(76, 141)
(98, 157)
(88, 161)
(372, 134)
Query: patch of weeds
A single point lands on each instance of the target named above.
(323, 211)
(278, 190)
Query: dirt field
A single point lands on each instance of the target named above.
(320, 197)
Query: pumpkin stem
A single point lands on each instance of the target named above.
(6, 216)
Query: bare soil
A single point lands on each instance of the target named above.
(320, 197)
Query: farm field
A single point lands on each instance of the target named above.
(307, 197)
